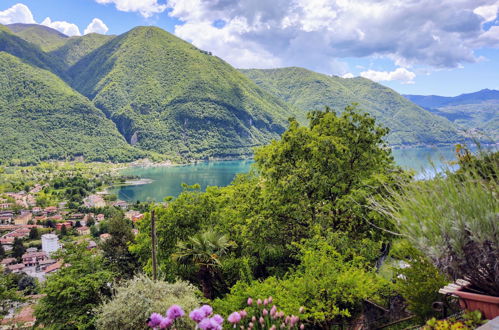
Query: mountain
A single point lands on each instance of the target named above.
(477, 113)
(29, 52)
(308, 90)
(46, 38)
(168, 96)
(43, 118)
(75, 48)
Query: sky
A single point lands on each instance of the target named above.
(439, 47)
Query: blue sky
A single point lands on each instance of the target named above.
(444, 47)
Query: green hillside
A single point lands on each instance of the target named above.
(28, 52)
(46, 38)
(168, 96)
(75, 48)
(43, 118)
(308, 90)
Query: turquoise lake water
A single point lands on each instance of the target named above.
(167, 180)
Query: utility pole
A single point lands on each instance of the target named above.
(153, 248)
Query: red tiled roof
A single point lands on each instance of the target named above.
(53, 268)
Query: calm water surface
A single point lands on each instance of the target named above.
(167, 180)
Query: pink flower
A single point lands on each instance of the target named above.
(154, 320)
(265, 312)
(197, 315)
(166, 323)
(217, 318)
(273, 311)
(302, 310)
(243, 313)
(251, 325)
(253, 319)
(262, 321)
(265, 302)
(234, 318)
(250, 301)
(174, 312)
(207, 310)
(272, 327)
(302, 326)
(270, 300)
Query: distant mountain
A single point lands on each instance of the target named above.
(476, 113)
(75, 48)
(168, 96)
(308, 90)
(46, 38)
(29, 53)
(43, 118)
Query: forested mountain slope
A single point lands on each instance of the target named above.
(43, 118)
(168, 96)
(308, 90)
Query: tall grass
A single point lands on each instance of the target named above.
(454, 220)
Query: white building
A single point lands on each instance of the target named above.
(50, 243)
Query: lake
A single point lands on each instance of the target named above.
(167, 180)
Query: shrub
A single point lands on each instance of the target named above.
(135, 300)
(453, 219)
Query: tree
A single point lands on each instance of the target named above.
(33, 233)
(73, 293)
(8, 294)
(64, 231)
(133, 302)
(115, 249)
(77, 224)
(203, 250)
(2, 252)
(18, 249)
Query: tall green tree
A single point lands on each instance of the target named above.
(73, 293)
(204, 251)
(33, 233)
(18, 248)
(116, 253)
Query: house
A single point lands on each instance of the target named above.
(52, 268)
(16, 268)
(99, 217)
(76, 216)
(91, 245)
(104, 237)
(33, 258)
(5, 219)
(56, 217)
(51, 209)
(66, 224)
(6, 206)
(23, 218)
(94, 201)
(121, 204)
(83, 230)
(8, 261)
(134, 215)
(43, 264)
(62, 205)
(37, 210)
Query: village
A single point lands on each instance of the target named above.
(32, 234)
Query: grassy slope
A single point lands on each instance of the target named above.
(308, 90)
(43, 118)
(168, 96)
(46, 38)
(75, 48)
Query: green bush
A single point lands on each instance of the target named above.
(135, 300)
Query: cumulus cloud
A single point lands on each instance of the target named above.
(440, 34)
(400, 74)
(67, 28)
(18, 13)
(489, 13)
(348, 75)
(146, 8)
(96, 26)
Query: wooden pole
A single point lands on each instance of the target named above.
(153, 247)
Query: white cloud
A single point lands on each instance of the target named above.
(18, 13)
(400, 74)
(438, 34)
(67, 28)
(348, 75)
(146, 8)
(489, 13)
(96, 26)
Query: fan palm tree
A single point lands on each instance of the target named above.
(204, 251)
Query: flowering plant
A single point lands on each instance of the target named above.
(266, 316)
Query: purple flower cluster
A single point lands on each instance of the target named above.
(158, 321)
(202, 316)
